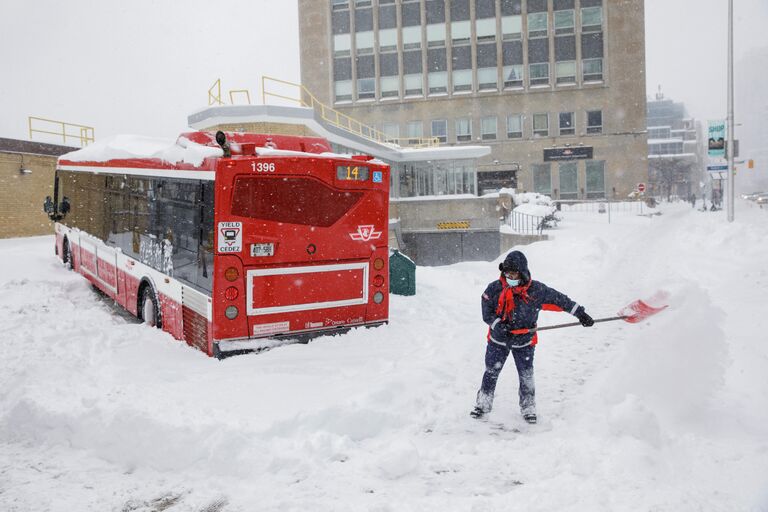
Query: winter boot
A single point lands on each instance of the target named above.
(484, 404)
(530, 418)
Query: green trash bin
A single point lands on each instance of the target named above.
(402, 274)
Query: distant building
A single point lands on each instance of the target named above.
(556, 88)
(676, 150)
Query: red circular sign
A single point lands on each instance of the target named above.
(641, 187)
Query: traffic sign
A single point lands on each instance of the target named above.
(717, 168)
(641, 187)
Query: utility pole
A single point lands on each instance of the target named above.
(731, 124)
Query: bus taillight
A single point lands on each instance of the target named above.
(378, 281)
(231, 293)
(378, 264)
(231, 274)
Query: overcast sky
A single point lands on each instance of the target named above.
(142, 66)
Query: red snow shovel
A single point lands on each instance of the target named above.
(633, 313)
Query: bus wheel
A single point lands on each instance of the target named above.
(66, 255)
(149, 308)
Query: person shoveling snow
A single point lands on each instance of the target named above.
(511, 306)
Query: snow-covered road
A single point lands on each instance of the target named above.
(99, 413)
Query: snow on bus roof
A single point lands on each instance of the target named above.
(122, 147)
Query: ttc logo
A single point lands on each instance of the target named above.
(365, 233)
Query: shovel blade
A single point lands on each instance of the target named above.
(639, 311)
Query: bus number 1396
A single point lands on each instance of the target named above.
(263, 166)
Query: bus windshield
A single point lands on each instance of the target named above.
(294, 200)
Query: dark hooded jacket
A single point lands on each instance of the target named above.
(533, 297)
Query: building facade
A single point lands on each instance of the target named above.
(26, 178)
(676, 151)
(555, 87)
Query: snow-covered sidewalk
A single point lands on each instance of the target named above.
(99, 413)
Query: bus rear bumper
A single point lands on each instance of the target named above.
(223, 349)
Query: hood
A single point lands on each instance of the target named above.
(516, 260)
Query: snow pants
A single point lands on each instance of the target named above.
(495, 357)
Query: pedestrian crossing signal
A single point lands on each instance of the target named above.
(750, 164)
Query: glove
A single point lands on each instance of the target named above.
(584, 318)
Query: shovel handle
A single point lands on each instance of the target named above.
(560, 326)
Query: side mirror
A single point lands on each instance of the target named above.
(64, 207)
(48, 205)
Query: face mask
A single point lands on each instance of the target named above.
(513, 282)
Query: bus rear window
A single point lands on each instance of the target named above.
(291, 200)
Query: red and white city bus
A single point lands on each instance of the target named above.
(223, 240)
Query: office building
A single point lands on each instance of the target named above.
(556, 88)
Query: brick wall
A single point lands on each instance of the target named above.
(22, 195)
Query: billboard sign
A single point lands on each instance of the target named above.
(575, 153)
(716, 139)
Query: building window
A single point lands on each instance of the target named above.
(593, 70)
(487, 70)
(537, 24)
(414, 131)
(511, 28)
(488, 128)
(366, 88)
(515, 126)
(542, 179)
(462, 80)
(391, 131)
(569, 185)
(595, 179)
(595, 121)
(339, 4)
(440, 129)
(485, 30)
(436, 35)
(388, 40)
(460, 32)
(438, 74)
(414, 85)
(462, 68)
(389, 83)
(343, 90)
(566, 123)
(463, 130)
(364, 42)
(660, 132)
(438, 82)
(389, 86)
(566, 72)
(363, 3)
(513, 76)
(411, 38)
(591, 19)
(342, 44)
(509, 7)
(539, 73)
(564, 22)
(540, 125)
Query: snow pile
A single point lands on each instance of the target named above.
(532, 203)
(670, 414)
(136, 146)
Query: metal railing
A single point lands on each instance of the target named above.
(303, 97)
(607, 206)
(526, 224)
(600, 205)
(82, 133)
